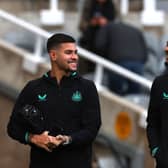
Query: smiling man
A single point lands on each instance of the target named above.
(58, 115)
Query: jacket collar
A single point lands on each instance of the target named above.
(66, 80)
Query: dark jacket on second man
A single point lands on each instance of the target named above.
(157, 120)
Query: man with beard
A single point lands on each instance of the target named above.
(67, 107)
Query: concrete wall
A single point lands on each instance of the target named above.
(12, 154)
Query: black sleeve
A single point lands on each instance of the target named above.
(16, 127)
(154, 117)
(91, 119)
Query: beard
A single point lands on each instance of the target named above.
(65, 67)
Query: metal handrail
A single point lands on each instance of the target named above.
(116, 68)
(100, 62)
(28, 26)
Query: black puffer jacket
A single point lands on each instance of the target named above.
(121, 42)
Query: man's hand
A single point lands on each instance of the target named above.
(64, 138)
(44, 141)
(102, 21)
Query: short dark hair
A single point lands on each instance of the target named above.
(57, 39)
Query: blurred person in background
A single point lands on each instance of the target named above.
(58, 115)
(96, 13)
(124, 45)
(157, 119)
